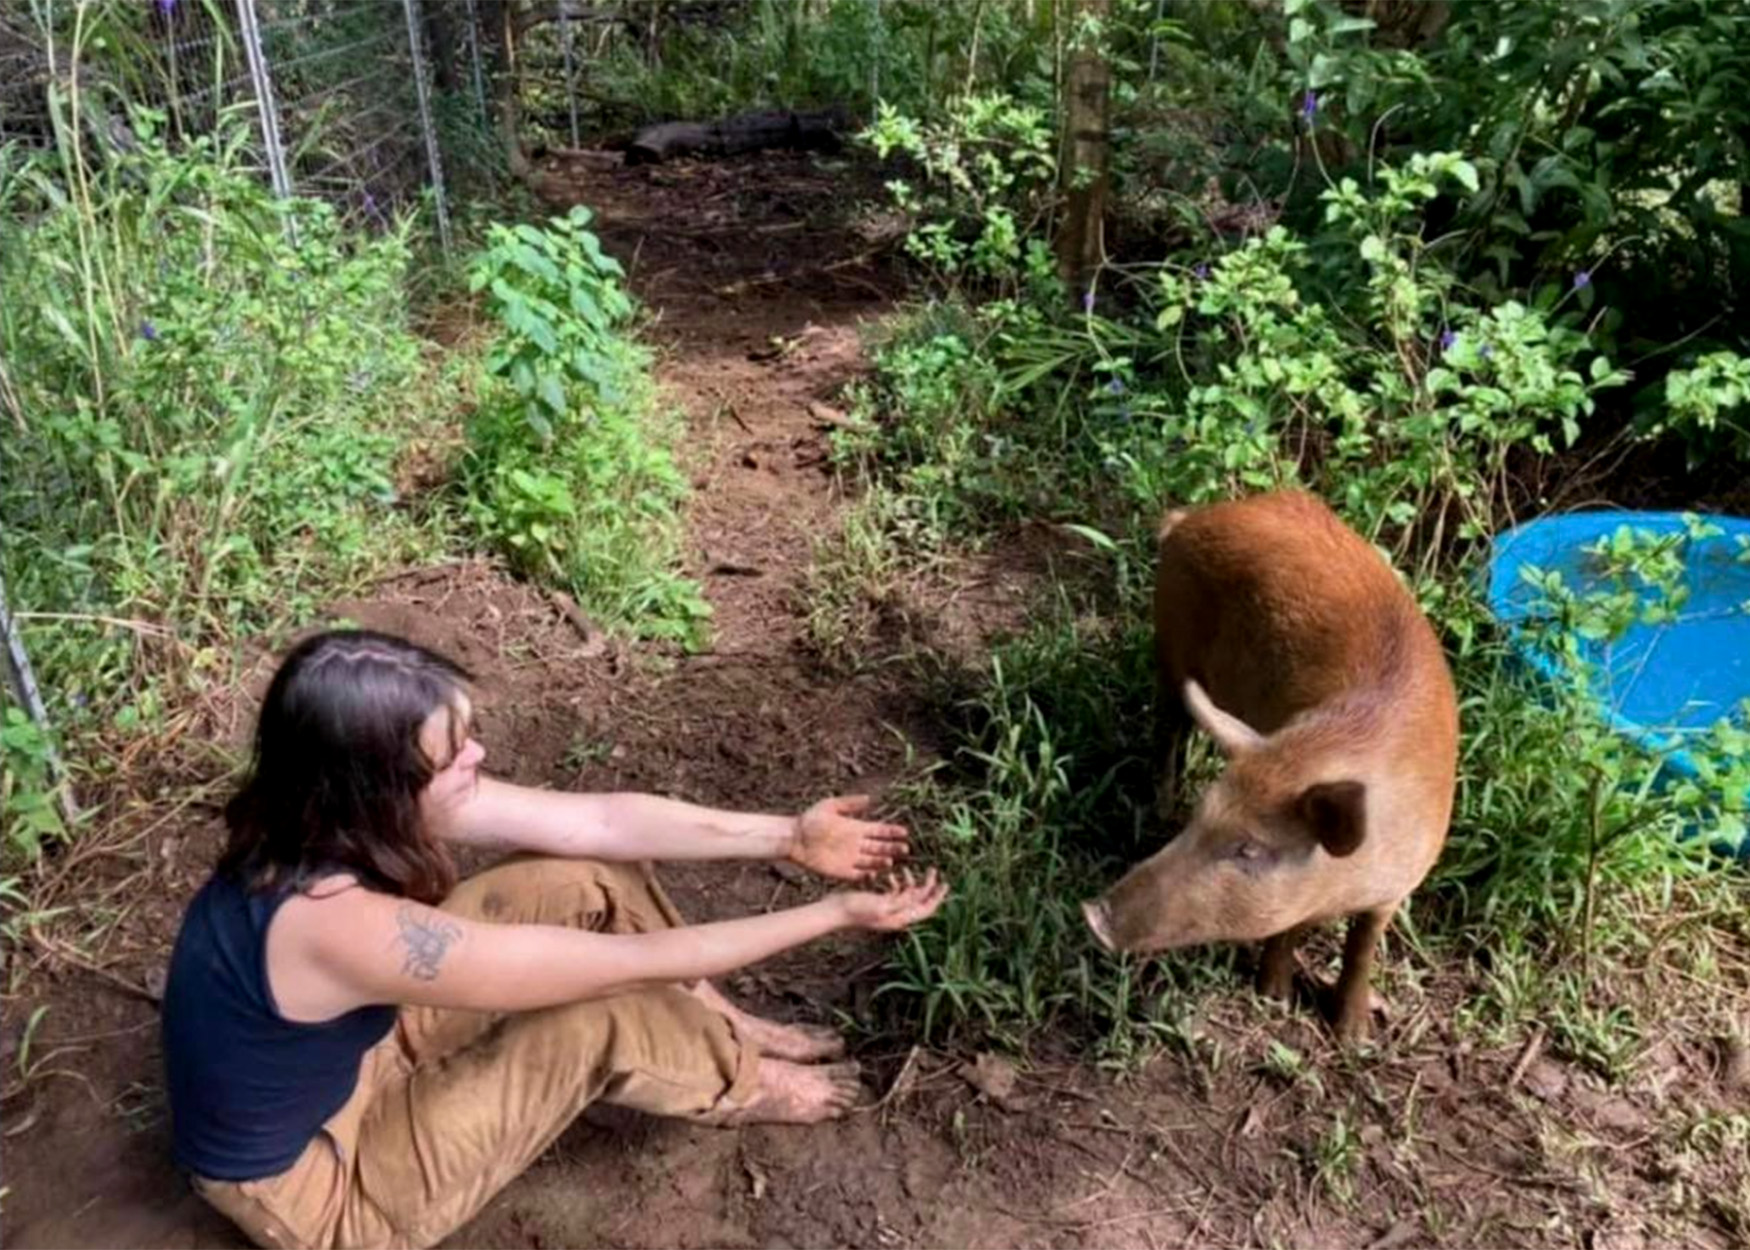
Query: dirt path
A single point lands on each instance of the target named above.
(1226, 1139)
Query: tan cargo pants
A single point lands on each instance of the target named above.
(452, 1105)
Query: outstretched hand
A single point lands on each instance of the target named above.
(903, 903)
(831, 841)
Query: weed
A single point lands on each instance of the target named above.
(208, 391)
(29, 812)
(585, 751)
(1336, 1158)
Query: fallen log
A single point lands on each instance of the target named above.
(820, 131)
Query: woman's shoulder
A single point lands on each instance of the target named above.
(323, 907)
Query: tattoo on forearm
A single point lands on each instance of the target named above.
(427, 936)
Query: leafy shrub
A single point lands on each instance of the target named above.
(563, 472)
(987, 184)
(1702, 403)
(849, 54)
(1608, 151)
(1407, 422)
(29, 815)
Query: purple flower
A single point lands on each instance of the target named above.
(148, 331)
(371, 206)
(1583, 279)
(1447, 339)
(166, 7)
(1115, 386)
(1485, 351)
(1200, 270)
(1309, 106)
(1087, 301)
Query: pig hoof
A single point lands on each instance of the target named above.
(1277, 983)
(1352, 1020)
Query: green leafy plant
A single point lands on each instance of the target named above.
(565, 472)
(1702, 405)
(207, 391)
(1413, 415)
(987, 182)
(1607, 170)
(29, 814)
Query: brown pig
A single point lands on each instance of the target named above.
(1291, 642)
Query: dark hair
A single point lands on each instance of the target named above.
(338, 768)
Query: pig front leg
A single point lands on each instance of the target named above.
(1354, 1005)
(1277, 966)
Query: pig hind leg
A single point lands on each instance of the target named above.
(1354, 992)
(1172, 726)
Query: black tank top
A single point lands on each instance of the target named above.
(248, 1089)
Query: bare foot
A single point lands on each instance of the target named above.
(793, 1093)
(800, 1043)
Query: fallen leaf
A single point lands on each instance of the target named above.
(1396, 1235)
(827, 415)
(756, 1179)
(993, 1076)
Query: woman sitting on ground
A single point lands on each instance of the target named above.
(361, 1052)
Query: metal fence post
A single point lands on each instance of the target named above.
(432, 157)
(264, 102)
(474, 54)
(30, 698)
(877, 52)
(1154, 39)
(570, 80)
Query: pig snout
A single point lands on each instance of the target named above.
(1134, 914)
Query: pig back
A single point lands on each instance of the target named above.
(1275, 606)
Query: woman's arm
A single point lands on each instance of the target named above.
(827, 838)
(359, 947)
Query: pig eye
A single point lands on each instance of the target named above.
(1246, 851)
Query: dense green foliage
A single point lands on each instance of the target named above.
(1352, 350)
(207, 394)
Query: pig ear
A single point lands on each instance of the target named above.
(1336, 814)
(1231, 734)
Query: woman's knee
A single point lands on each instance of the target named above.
(580, 893)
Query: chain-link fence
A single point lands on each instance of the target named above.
(336, 93)
(331, 99)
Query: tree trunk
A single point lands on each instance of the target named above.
(748, 132)
(1084, 150)
(1403, 23)
(440, 29)
(498, 19)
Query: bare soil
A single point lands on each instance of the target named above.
(761, 275)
